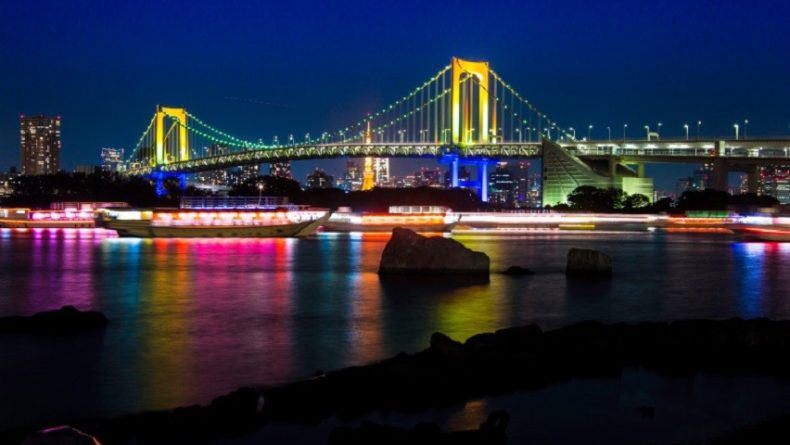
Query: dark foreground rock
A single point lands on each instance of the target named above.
(64, 320)
(491, 432)
(410, 253)
(450, 371)
(588, 262)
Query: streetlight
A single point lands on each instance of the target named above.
(609, 130)
(624, 127)
(745, 126)
(260, 192)
(589, 132)
(699, 124)
(647, 132)
(736, 127)
(686, 126)
(574, 132)
(518, 130)
(658, 128)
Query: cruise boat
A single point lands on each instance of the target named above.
(60, 215)
(215, 219)
(418, 218)
(763, 228)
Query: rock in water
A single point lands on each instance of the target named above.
(588, 262)
(64, 320)
(518, 271)
(410, 253)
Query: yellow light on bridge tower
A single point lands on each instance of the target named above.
(180, 115)
(481, 71)
(367, 173)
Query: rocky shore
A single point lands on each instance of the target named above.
(64, 320)
(504, 361)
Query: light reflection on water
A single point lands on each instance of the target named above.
(192, 319)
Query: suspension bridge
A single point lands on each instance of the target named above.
(464, 114)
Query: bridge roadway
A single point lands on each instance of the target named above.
(743, 151)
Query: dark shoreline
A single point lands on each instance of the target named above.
(489, 364)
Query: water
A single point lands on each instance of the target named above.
(193, 319)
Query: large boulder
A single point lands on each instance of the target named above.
(410, 253)
(588, 262)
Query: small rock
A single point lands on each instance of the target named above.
(518, 271)
(588, 262)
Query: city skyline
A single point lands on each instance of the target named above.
(277, 93)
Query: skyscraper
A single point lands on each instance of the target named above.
(39, 144)
(111, 159)
(502, 185)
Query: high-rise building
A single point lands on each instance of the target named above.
(216, 178)
(501, 185)
(40, 144)
(352, 177)
(319, 180)
(381, 171)
(774, 180)
(111, 159)
(522, 185)
(280, 169)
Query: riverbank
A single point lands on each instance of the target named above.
(508, 360)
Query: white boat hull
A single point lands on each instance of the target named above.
(144, 229)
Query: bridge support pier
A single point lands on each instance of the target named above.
(482, 177)
(752, 178)
(454, 171)
(721, 173)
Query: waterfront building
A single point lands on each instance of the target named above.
(40, 144)
(112, 159)
(427, 177)
(281, 169)
(6, 179)
(86, 169)
(464, 176)
(683, 185)
(319, 180)
(239, 175)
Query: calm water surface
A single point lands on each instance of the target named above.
(193, 319)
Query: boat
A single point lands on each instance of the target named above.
(60, 215)
(418, 218)
(215, 219)
(763, 228)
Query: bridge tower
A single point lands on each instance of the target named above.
(368, 182)
(162, 133)
(462, 106)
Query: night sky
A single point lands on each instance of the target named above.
(259, 69)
